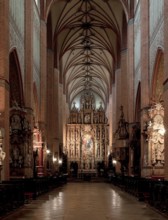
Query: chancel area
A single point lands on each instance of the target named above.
(87, 134)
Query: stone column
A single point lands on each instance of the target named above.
(28, 86)
(43, 79)
(130, 82)
(110, 120)
(52, 106)
(66, 114)
(166, 84)
(61, 115)
(130, 72)
(28, 81)
(56, 113)
(144, 18)
(4, 82)
(114, 110)
(124, 84)
(118, 95)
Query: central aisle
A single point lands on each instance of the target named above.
(86, 201)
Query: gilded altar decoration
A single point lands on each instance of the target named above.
(156, 131)
(20, 140)
(2, 153)
(87, 134)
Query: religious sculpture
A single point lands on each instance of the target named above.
(2, 155)
(155, 131)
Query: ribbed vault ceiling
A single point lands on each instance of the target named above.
(87, 36)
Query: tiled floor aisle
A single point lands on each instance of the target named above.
(86, 201)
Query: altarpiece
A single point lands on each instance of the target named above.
(87, 134)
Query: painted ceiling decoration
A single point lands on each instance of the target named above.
(87, 38)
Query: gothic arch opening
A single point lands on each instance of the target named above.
(18, 122)
(158, 75)
(138, 105)
(15, 80)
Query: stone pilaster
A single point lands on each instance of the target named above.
(4, 82)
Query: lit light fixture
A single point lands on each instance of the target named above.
(54, 159)
(48, 151)
(60, 161)
(114, 161)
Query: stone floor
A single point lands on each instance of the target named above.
(86, 201)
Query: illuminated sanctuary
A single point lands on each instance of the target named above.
(87, 134)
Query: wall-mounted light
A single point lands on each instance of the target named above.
(48, 151)
(54, 159)
(114, 161)
(60, 161)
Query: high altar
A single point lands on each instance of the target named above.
(87, 135)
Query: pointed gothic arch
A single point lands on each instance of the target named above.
(138, 104)
(126, 7)
(15, 79)
(156, 130)
(158, 77)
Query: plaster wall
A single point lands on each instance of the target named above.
(16, 30)
(156, 31)
(36, 47)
